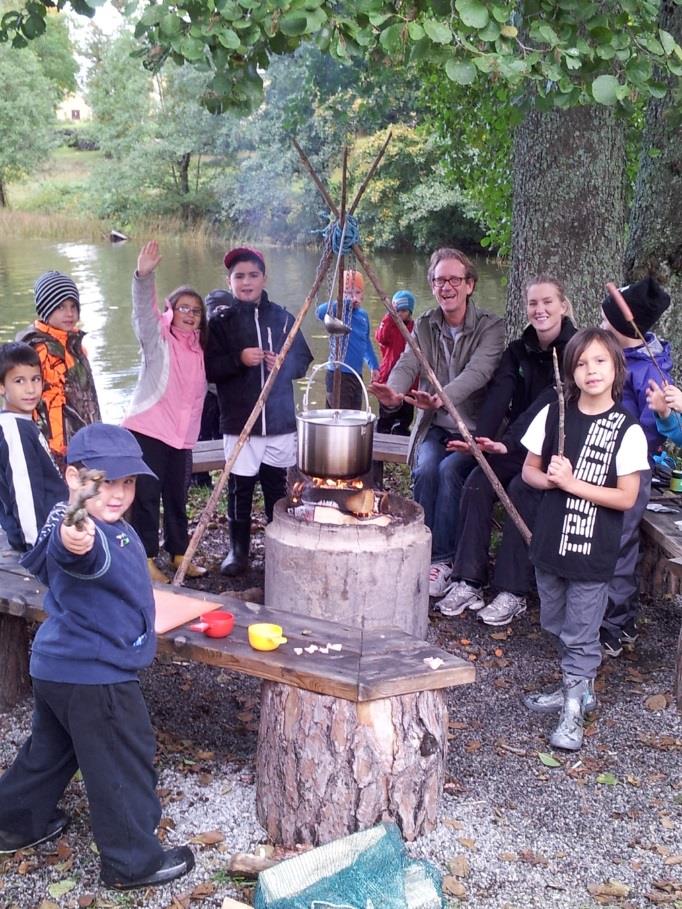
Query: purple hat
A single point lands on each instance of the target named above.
(243, 252)
(113, 450)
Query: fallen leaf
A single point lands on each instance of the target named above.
(467, 843)
(607, 779)
(47, 904)
(87, 899)
(453, 887)
(608, 890)
(499, 636)
(667, 822)
(59, 888)
(673, 860)
(508, 856)
(548, 759)
(205, 755)
(459, 866)
(473, 745)
(656, 702)
(210, 838)
(201, 891)
(532, 858)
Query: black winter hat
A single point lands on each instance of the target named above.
(51, 290)
(647, 300)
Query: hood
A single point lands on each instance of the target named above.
(218, 301)
(35, 560)
(660, 350)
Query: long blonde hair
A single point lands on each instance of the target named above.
(550, 279)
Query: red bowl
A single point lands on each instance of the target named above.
(218, 623)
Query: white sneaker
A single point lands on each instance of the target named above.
(439, 578)
(503, 609)
(459, 597)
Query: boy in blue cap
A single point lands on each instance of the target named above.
(89, 713)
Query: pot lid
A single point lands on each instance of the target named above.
(330, 417)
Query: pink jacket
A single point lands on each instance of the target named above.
(169, 395)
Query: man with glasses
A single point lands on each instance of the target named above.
(463, 346)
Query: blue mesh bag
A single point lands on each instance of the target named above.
(367, 870)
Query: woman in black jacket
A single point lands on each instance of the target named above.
(522, 383)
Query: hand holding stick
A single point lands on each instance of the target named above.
(90, 481)
(562, 403)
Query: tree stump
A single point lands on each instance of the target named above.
(327, 767)
(14, 679)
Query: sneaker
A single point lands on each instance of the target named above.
(439, 578)
(553, 701)
(459, 597)
(503, 609)
(629, 634)
(175, 863)
(12, 842)
(611, 643)
(155, 573)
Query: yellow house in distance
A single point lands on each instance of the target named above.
(73, 108)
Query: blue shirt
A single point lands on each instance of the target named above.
(360, 350)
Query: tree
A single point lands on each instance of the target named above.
(55, 52)
(26, 116)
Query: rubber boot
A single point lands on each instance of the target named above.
(155, 572)
(569, 733)
(237, 560)
(193, 571)
(553, 701)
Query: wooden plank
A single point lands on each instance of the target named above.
(661, 528)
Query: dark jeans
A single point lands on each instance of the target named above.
(173, 468)
(438, 477)
(476, 516)
(273, 481)
(103, 730)
(513, 571)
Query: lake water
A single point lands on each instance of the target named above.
(103, 271)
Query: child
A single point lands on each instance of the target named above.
(355, 348)
(165, 414)
(69, 396)
(30, 481)
(578, 527)
(245, 332)
(667, 405)
(392, 344)
(648, 302)
(89, 713)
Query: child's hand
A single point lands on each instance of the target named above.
(78, 540)
(148, 258)
(252, 356)
(673, 397)
(656, 398)
(269, 357)
(560, 472)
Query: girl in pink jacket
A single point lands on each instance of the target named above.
(165, 413)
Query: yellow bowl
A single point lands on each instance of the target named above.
(264, 636)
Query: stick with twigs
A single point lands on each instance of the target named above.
(210, 506)
(90, 481)
(562, 404)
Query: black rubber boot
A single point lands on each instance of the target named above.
(237, 560)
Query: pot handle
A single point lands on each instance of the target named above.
(316, 369)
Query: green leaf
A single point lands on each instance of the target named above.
(462, 73)
(170, 25)
(547, 33)
(438, 32)
(415, 31)
(604, 89)
(500, 14)
(391, 38)
(667, 41)
(548, 759)
(59, 888)
(491, 32)
(472, 13)
(378, 19)
(294, 24)
(608, 779)
(229, 38)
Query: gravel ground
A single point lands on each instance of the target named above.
(603, 827)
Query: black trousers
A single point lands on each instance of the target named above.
(351, 391)
(513, 570)
(105, 731)
(476, 516)
(273, 481)
(173, 468)
(396, 421)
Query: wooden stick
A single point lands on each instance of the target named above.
(210, 507)
(447, 403)
(370, 173)
(562, 404)
(335, 345)
(627, 314)
(90, 481)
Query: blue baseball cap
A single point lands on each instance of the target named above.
(113, 450)
(403, 299)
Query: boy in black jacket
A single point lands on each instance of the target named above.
(246, 330)
(89, 713)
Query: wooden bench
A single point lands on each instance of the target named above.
(209, 455)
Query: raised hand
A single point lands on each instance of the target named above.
(385, 395)
(424, 400)
(148, 258)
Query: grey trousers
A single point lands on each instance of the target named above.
(572, 611)
(623, 601)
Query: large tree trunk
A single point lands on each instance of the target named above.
(568, 214)
(655, 237)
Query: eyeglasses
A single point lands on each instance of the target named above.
(185, 310)
(454, 281)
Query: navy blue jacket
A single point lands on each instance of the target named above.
(30, 481)
(233, 326)
(100, 606)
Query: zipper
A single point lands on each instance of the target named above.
(262, 368)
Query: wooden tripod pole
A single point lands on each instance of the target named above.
(447, 403)
(335, 340)
(210, 507)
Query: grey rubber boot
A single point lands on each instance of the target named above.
(569, 733)
(553, 701)
(237, 560)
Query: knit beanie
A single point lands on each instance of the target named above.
(52, 289)
(647, 300)
(353, 280)
(403, 299)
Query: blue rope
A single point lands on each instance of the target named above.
(350, 238)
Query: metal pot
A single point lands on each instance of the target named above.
(335, 443)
